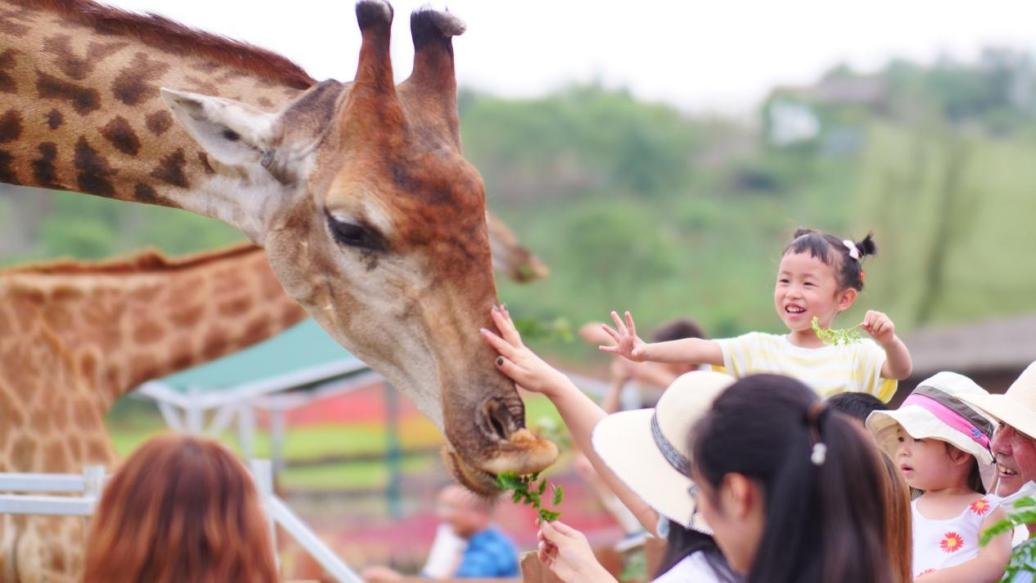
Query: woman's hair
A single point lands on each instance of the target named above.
(823, 513)
(683, 542)
(899, 542)
(181, 508)
(834, 252)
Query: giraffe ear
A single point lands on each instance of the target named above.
(232, 132)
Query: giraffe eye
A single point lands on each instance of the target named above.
(356, 235)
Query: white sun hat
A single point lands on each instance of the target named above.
(1017, 406)
(649, 449)
(939, 408)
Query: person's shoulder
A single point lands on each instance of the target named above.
(755, 338)
(693, 567)
(493, 537)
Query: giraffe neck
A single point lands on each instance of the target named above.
(80, 108)
(125, 322)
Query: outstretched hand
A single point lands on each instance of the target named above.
(517, 361)
(624, 334)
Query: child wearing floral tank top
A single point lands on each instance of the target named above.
(941, 445)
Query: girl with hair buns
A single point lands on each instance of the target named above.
(820, 276)
(181, 508)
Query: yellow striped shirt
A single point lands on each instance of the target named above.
(828, 370)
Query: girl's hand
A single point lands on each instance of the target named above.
(627, 343)
(879, 326)
(516, 361)
(566, 552)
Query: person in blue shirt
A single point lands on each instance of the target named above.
(487, 552)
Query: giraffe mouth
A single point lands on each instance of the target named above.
(523, 453)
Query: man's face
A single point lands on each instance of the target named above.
(1015, 454)
(455, 507)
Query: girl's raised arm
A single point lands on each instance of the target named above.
(685, 350)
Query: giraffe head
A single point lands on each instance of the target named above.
(375, 222)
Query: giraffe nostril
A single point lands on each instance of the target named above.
(495, 419)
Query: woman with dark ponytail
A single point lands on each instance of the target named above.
(819, 277)
(793, 492)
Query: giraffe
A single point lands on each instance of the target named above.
(75, 337)
(358, 192)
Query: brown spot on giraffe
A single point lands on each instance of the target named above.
(147, 332)
(120, 133)
(55, 119)
(7, 82)
(202, 86)
(58, 317)
(145, 193)
(43, 168)
(145, 294)
(158, 122)
(258, 329)
(83, 413)
(55, 457)
(6, 171)
(10, 126)
(146, 366)
(74, 66)
(171, 169)
(96, 450)
(188, 315)
(9, 27)
(206, 66)
(137, 82)
(83, 99)
(88, 365)
(23, 452)
(215, 343)
(235, 306)
(93, 172)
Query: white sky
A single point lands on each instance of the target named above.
(703, 56)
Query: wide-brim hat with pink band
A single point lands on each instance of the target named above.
(938, 409)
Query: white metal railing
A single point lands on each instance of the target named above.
(277, 512)
(89, 484)
(25, 494)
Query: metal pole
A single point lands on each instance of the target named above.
(277, 439)
(393, 453)
(263, 477)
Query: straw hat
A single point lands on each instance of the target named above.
(648, 449)
(1016, 407)
(937, 410)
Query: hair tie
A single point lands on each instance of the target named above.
(814, 414)
(854, 251)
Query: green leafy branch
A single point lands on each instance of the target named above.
(1023, 558)
(836, 336)
(528, 491)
